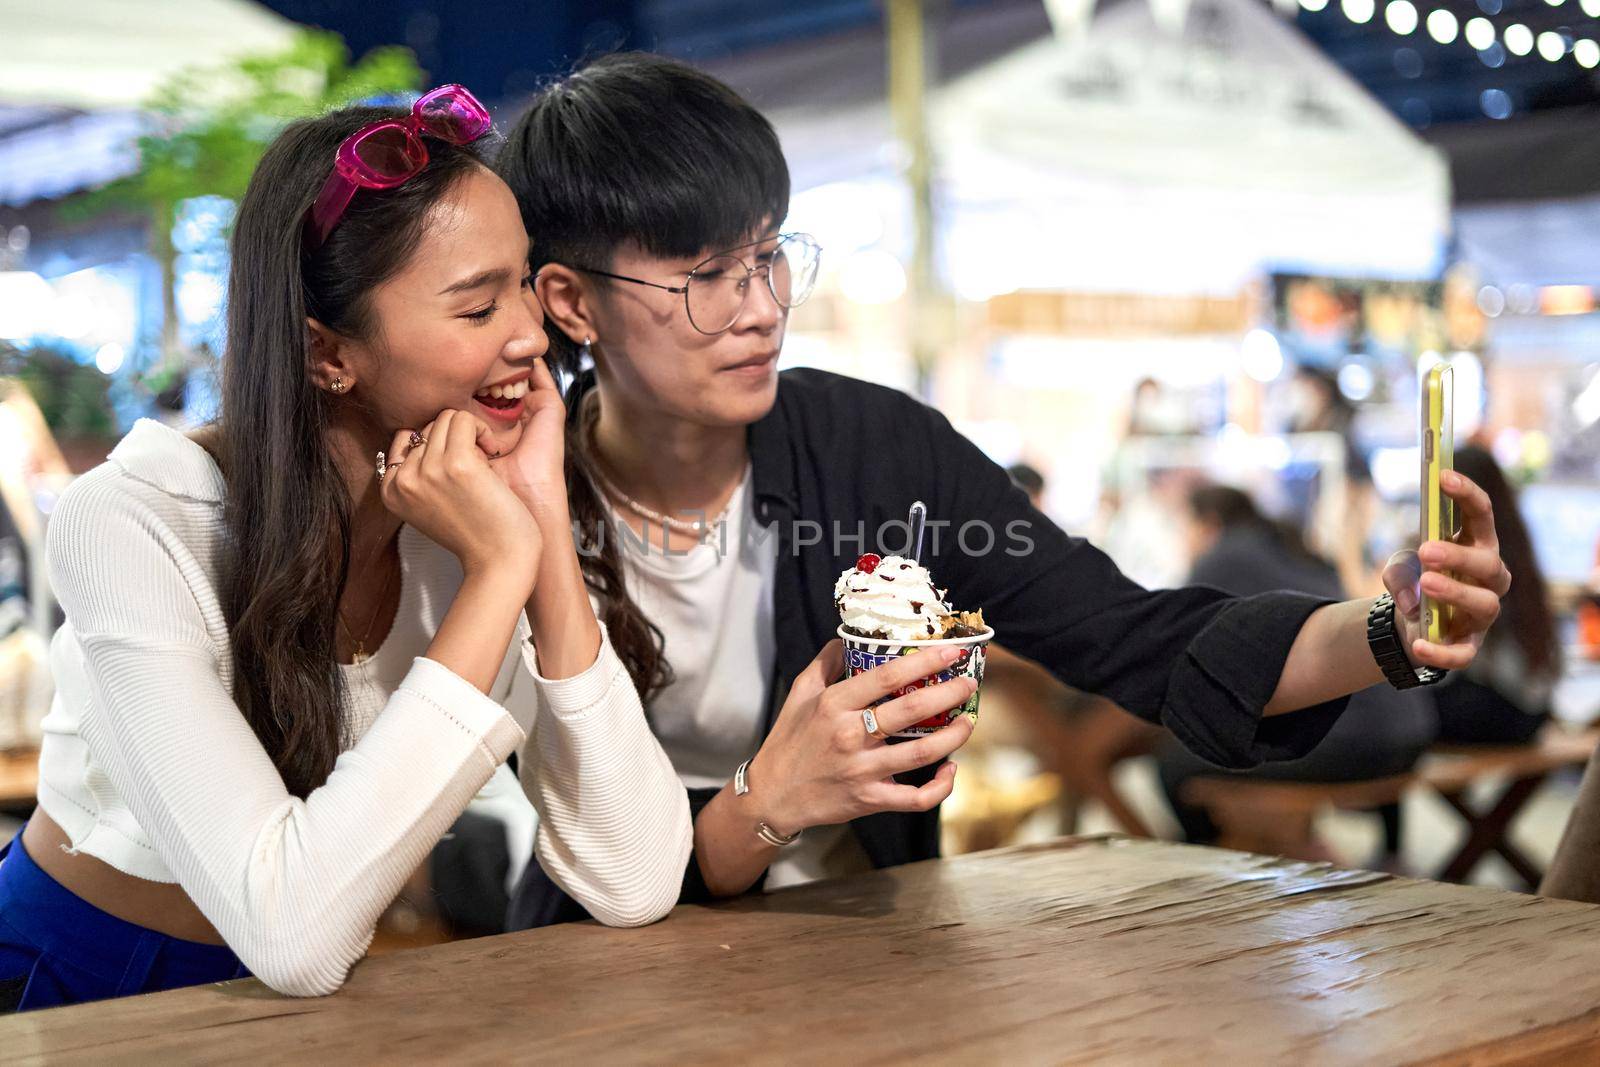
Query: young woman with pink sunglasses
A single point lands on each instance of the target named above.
(298, 642)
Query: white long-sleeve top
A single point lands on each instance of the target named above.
(148, 764)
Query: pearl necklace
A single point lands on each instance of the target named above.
(692, 529)
(698, 530)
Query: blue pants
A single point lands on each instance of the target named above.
(57, 949)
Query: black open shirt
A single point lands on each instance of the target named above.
(837, 452)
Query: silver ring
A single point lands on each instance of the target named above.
(383, 466)
(870, 721)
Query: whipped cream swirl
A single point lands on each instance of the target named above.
(896, 599)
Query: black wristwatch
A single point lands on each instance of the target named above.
(1384, 638)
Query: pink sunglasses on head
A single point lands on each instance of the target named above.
(390, 153)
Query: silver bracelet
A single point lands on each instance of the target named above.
(775, 839)
(741, 786)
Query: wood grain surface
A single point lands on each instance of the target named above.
(1086, 950)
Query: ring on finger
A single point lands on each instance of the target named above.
(417, 440)
(382, 466)
(870, 721)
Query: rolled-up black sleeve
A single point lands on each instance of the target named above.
(1229, 672)
(1197, 660)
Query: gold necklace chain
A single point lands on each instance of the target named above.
(360, 655)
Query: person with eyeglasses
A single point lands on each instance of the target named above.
(298, 642)
(717, 501)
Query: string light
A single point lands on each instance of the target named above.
(1401, 15)
(1403, 18)
(1480, 33)
(1358, 11)
(1442, 26)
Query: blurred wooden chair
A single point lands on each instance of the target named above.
(1259, 815)
(986, 812)
(1076, 737)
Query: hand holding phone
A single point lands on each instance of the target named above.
(1447, 593)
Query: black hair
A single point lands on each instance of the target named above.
(641, 149)
(644, 149)
(1228, 508)
(287, 509)
(1026, 477)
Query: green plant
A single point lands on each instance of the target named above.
(207, 128)
(73, 397)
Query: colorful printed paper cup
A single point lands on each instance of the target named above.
(864, 653)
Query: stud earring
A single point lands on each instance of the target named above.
(586, 350)
(337, 385)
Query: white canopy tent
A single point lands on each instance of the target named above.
(1135, 159)
(1129, 158)
(76, 72)
(97, 54)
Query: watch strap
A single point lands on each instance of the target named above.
(1383, 637)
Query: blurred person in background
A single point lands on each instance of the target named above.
(1139, 490)
(1030, 481)
(1158, 411)
(1383, 732)
(1504, 696)
(1317, 405)
(1079, 736)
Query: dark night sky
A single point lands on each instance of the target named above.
(502, 48)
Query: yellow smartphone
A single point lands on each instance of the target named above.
(1438, 456)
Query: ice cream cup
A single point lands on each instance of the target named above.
(864, 653)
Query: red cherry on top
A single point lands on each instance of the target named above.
(868, 563)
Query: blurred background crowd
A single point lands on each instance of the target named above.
(1178, 262)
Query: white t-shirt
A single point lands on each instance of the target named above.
(713, 605)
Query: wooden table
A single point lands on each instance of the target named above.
(1084, 950)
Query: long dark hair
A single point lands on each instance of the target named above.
(635, 147)
(1525, 612)
(288, 511)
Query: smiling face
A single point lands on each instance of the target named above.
(458, 326)
(652, 353)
